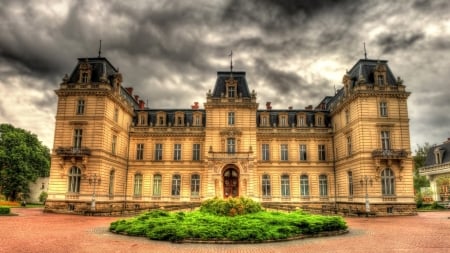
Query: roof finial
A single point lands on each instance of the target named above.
(100, 50)
(231, 62)
(365, 52)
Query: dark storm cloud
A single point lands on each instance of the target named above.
(391, 42)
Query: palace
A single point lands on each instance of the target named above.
(350, 154)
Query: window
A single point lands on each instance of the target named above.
(157, 185)
(383, 109)
(323, 186)
(350, 183)
(196, 152)
(265, 183)
(179, 121)
(140, 151)
(161, 121)
(197, 120)
(385, 142)
(347, 116)
(74, 180)
(284, 152)
(302, 151)
(230, 118)
(387, 182)
(113, 144)
(77, 137)
(137, 185)
(304, 186)
(80, 107)
(283, 121)
(231, 91)
(177, 152)
(301, 121)
(111, 183)
(84, 77)
(322, 153)
(176, 185)
(265, 152)
(349, 145)
(285, 187)
(231, 145)
(380, 80)
(264, 121)
(158, 151)
(116, 115)
(319, 121)
(439, 154)
(195, 185)
(42, 186)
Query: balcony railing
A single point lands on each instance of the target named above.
(389, 154)
(73, 151)
(230, 156)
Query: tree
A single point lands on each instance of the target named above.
(23, 158)
(419, 161)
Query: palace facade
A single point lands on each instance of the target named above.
(349, 154)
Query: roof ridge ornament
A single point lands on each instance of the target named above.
(231, 64)
(100, 49)
(365, 52)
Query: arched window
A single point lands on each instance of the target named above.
(176, 185)
(74, 179)
(304, 186)
(285, 186)
(111, 183)
(265, 185)
(323, 185)
(157, 185)
(137, 185)
(195, 185)
(387, 182)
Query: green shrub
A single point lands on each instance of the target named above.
(5, 210)
(231, 206)
(43, 197)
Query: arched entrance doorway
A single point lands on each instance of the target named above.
(230, 183)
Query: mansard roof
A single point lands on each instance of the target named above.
(366, 67)
(292, 116)
(444, 149)
(220, 87)
(170, 115)
(100, 66)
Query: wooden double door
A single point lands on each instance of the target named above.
(230, 183)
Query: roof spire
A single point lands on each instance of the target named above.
(231, 62)
(100, 50)
(365, 52)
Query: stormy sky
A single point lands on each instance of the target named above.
(294, 52)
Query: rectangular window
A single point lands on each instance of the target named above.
(177, 152)
(197, 121)
(137, 185)
(323, 186)
(111, 183)
(114, 144)
(385, 142)
(350, 184)
(264, 121)
(301, 121)
(265, 152)
(231, 145)
(265, 186)
(383, 109)
(380, 79)
(285, 186)
(284, 152)
(283, 121)
(157, 185)
(176, 185)
(77, 137)
(230, 118)
(196, 152)
(322, 153)
(140, 151)
(158, 151)
(231, 91)
(347, 116)
(195, 185)
(116, 115)
(349, 145)
(304, 186)
(80, 107)
(302, 151)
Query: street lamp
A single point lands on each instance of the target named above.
(94, 180)
(365, 182)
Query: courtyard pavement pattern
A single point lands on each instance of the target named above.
(35, 231)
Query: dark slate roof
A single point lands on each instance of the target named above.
(366, 68)
(170, 116)
(242, 86)
(99, 65)
(292, 116)
(431, 159)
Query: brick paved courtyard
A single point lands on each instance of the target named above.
(35, 231)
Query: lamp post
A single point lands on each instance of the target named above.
(365, 182)
(94, 180)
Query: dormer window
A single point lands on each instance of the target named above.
(161, 116)
(231, 91)
(301, 120)
(85, 72)
(439, 154)
(380, 80)
(231, 87)
(197, 119)
(320, 120)
(84, 78)
(179, 119)
(283, 120)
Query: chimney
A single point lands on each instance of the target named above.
(141, 104)
(195, 106)
(268, 106)
(290, 108)
(309, 107)
(136, 97)
(130, 90)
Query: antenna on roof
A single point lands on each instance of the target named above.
(100, 50)
(231, 62)
(365, 52)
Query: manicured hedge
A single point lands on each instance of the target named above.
(204, 225)
(5, 210)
